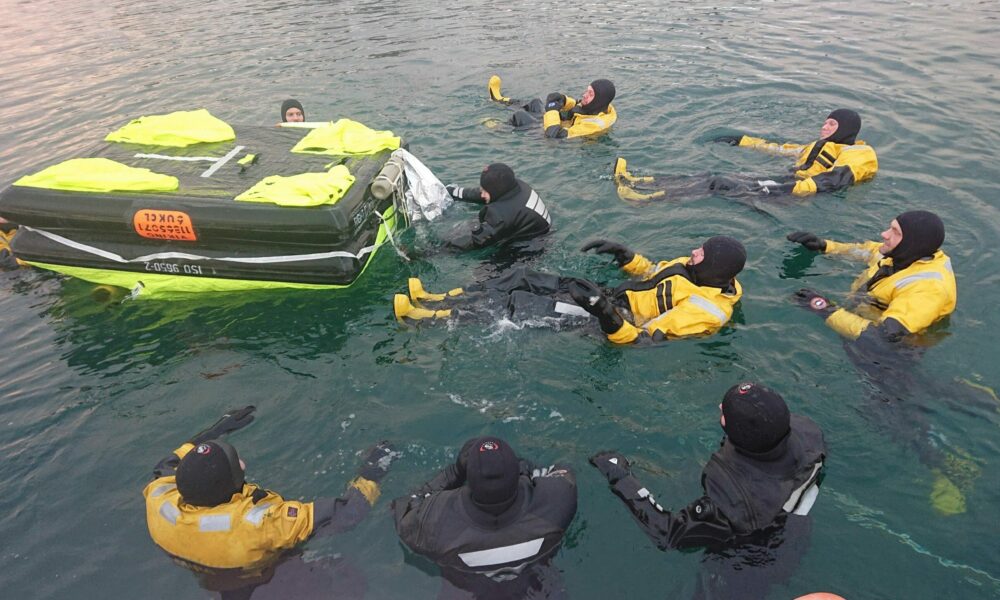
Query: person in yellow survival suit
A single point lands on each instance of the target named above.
(690, 295)
(909, 282)
(562, 116)
(201, 511)
(836, 160)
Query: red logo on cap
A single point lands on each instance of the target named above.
(819, 303)
(489, 446)
(744, 388)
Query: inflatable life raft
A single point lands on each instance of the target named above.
(265, 208)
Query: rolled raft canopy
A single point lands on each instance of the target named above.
(160, 209)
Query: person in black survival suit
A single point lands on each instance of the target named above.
(511, 211)
(492, 522)
(292, 111)
(686, 296)
(561, 115)
(758, 489)
(835, 161)
(201, 511)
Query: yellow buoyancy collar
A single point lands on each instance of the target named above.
(177, 129)
(98, 175)
(306, 189)
(346, 137)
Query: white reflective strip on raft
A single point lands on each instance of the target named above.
(208, 172)
(808, 499)
(179, 158)
(570, 309)
(256, 514)
(169, 512)
(793, 499)
(707, 306)
(503, 554)
(164, 255)
(162, 489)
(917, 277)
(643, 493)
(214, 523)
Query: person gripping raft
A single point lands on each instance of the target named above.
(511, 211)
(835, 161)
(561, 115)
(689, 295)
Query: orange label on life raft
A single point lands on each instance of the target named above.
(164, 225)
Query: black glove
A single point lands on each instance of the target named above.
(464, 194)
(376, 462)
(812, 301)
(612, 464)
(592, 299)
(231, 421)
(809, 240)
(623, 255)
(555, 101)
(732, 140)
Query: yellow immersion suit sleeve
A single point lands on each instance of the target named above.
(346, 137)
(865, 251)
(639, 266)
(305, 189)
(684, 319)
(785, 149)
(847, 323)
(368, 488)
(177, 129)
(626, 334)
(854, 164)
(98, 175)
(184, 449)
(582, 125)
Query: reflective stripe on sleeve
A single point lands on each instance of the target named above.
(503, 554)
(256, 514)
(214, 523)
(162, 489)
(917, 277)
(707, 306)
(793, 499)
(169, 512)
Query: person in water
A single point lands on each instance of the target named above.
(7, 232)
(757, 491)
(492, 522)
(292, 111)
(201, 511)
(511, 210)
(561, 115)
(689, 295)
(909, 286)
(835, 161)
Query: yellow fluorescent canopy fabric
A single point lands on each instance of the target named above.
(177, 129)
(306, 189)
(346, 137)
(98, 175)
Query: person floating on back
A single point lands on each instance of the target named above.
(491, 521)
(561, 115)
(835, 161)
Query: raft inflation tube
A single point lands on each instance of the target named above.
(257, 208)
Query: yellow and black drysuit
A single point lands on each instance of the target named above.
(563, 117)
(493, 526)
(753, 512)
(249, 531)
(824, 165)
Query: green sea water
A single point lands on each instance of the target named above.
(93, 394)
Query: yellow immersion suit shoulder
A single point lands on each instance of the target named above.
(580, 125)
(673, 306)
(835, 166)
(251, 529)
(916, 296)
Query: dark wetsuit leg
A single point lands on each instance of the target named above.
(529, 115)
(696, 187)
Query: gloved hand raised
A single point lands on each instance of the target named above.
(377, 460)
(592, 299)
(229, 422)
(623, 255)
(812, 301)
(732, 140)
(555, 101)
(612, 464)
(809, 240)
(464, 194)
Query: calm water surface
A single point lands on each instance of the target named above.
(92, 395)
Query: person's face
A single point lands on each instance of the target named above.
(829, 128)
(294, 115)
(243, 465)
(697, 255)
(485, 196)
(588, 96)
(891, 238)
(722, 417)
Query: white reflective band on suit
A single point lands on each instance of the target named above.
(169, 512)
(707, 306)
(803, 497)
(503, 554)
(185, 256)
(210, 523)
(256, 514)
(918, 277)
(535, 203)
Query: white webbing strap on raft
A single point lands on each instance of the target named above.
(217, 162)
